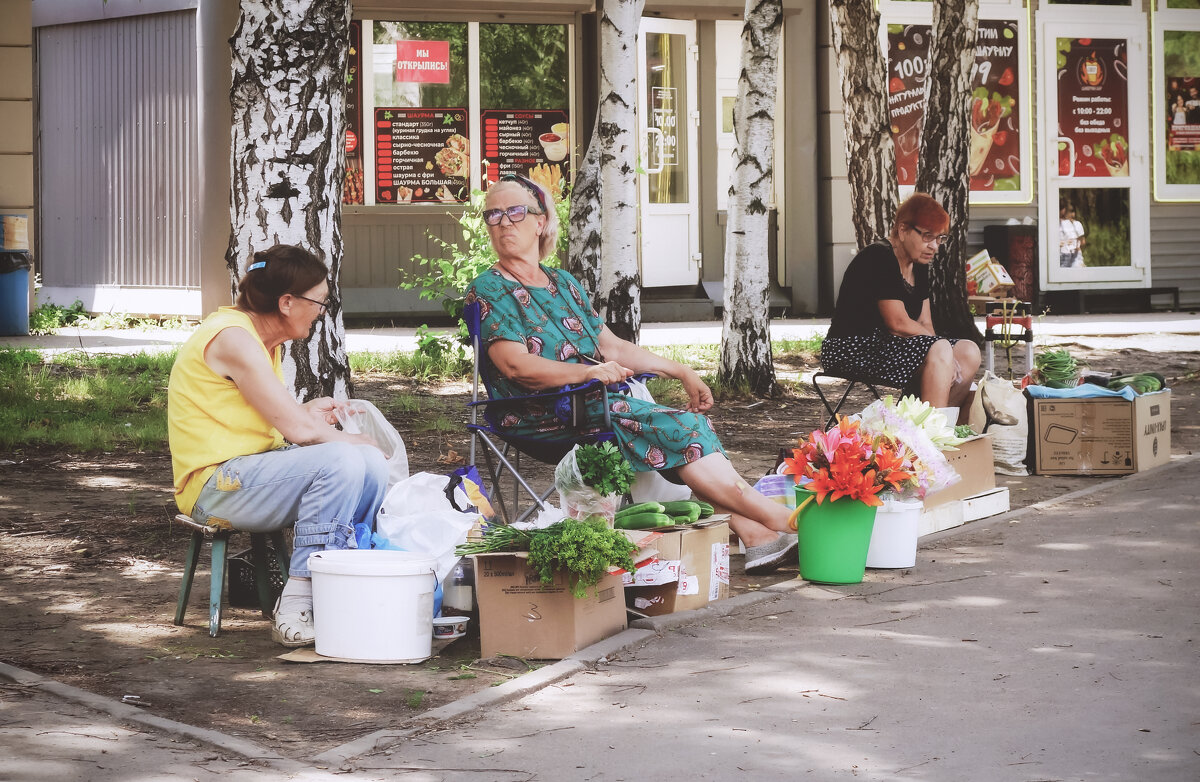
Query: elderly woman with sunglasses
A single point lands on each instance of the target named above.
(245, 453)
(882, 329)
(541, 333)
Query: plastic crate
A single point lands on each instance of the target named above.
(243, 587)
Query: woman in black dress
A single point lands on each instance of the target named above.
(882, 328)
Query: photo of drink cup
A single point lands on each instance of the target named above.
(554, 145)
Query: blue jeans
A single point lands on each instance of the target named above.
(323, 489)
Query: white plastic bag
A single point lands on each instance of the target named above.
(417, 516)
(999, 410)
(366, 419)
(577, 498)
(650, 486)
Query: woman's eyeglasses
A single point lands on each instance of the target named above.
(929, 237)
(324, 305)
(515, 214)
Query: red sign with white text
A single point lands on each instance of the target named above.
(423, 61)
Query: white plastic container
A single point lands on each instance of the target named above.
(373, 605)
(894, 536)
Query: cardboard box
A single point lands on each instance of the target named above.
(522, 617)
(1100, 435)
(991, 279)
(972, 461)
(689, 570)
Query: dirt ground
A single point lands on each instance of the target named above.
(91, 569)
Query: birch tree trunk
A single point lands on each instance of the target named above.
(746, 337)
(289, 129)
(870, 155)
(942, 169)
(604, 206)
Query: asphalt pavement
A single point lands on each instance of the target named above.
(1056, 642)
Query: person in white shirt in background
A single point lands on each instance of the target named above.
(1070, 239)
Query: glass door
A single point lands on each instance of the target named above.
(667, 181)
(1094, 157)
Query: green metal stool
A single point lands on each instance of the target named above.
(219, 538)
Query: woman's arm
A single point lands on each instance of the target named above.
(235, 354)
(638, 359)
(895, 318)
(515, 362)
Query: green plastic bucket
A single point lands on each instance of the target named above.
(834, 538)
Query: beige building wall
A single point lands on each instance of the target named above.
(16, 110)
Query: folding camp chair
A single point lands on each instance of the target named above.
(851, 381)
(502, 450)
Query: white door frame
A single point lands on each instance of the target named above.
(1118, 23)
(669, 234)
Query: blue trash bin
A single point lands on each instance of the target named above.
(14, 293)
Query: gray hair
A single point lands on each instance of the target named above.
(548, 241)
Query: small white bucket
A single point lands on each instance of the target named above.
(373, 605)
(894, 536)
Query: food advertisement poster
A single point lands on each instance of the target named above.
(1181, 66)
(1093, 108)
(421, 155)
(995, 152)
(535, 144)
(352, 187)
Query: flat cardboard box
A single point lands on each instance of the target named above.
(690, 569)
(522, 617)
(1100, 435)
(972, 461)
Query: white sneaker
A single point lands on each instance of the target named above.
(293, 628)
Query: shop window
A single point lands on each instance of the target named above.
(1177, 103)
(524, 90)
(411, 114)
(999, 155)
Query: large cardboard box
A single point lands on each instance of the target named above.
(522, 617)
(972, 461)
(689, 570)
(1100, 435)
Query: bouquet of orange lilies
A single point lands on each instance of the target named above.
(848, 461)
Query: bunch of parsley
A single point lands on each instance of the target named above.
(585, 549)
(604, 468)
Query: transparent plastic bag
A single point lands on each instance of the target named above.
(1001, 409)
(365, 418)
(417, 515)
(578, 499)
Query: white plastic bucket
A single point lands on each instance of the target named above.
(894, 536)
(373, 605)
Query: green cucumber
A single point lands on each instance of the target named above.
(684, 512)
(643, 521)
(641, 507)
(706, 510)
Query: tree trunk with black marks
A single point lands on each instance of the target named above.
(746, 336)
(604, 204)
(289, 129)
(942, 168)
(870, 154)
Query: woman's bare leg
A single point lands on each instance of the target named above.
(754, 518)
(967, 359)
(937, 374)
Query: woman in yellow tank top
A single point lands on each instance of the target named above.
(246, 453)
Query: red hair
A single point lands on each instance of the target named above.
(920, 211)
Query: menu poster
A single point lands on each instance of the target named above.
(1183, 113)
(1093, 107)
(352, 186)
(534, 144)
(994, 160)
(421, 155)
(908, 59)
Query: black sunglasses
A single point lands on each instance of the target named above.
(515, 214)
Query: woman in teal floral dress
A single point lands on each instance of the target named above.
(541, 333)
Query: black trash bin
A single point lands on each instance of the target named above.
(14, 292)
(1016, 249)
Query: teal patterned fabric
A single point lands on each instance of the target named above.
(556, 322)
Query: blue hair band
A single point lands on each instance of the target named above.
(257, 265)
